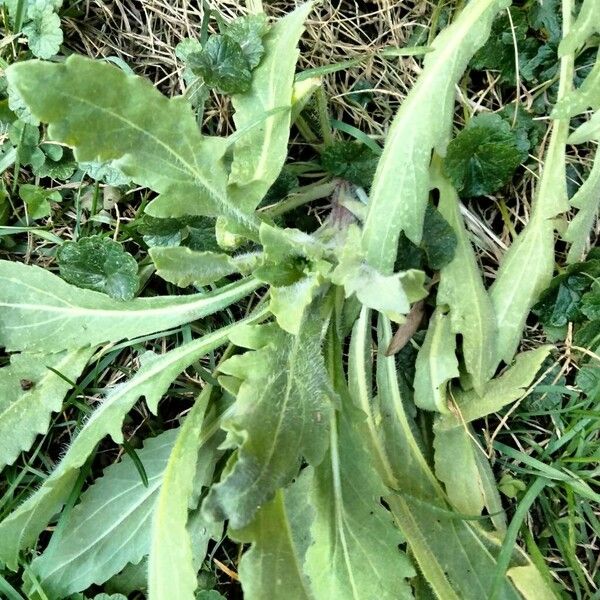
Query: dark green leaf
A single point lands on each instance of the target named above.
(527, 131)
(248, 32)
(284, 184)
(590, 303)
(483, 156)
(588, 381)
(160, 232)
(545, 17)
(352, 161)
(99, 264)
(439, 240)
(223, 65)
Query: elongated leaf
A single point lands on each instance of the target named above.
(587, 200)
(109, 527)
(401, 185)
(29, 393)
(353, 534)
(436, 364)
(280, 535)
(184, 266)
(260, 153)
(21, 528)
(501, 391)
(171, 571)
(41, 312)
(118, 121)
(281, 415)
(461, 288)
(586, 24)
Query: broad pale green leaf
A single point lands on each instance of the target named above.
(586, 24)
(587, 95)
(259, 155)
(462, 290)
(29, 393)
(590, 130)
(282, 414)
(499, 392)
(436, 364)
(587, 200)
(401, 186)
(280, 535)
(184, 266)
(21, 528)
(100, 264)
(355, 552)
(41, 312)
(457, 466)
(117, 121)
(110, 526)
(171, 569)
(529, 581)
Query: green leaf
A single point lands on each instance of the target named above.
(585, 25)
(461, 289)
(37, 200)
(222, 64)
(171, 569)
(184, 267)
(423, 123)
(248, 32)
(499, 392)
(44, 35)
(351, 161)
(105, 123)
(546, 16)
(436, 364)
(389, 294)
(104, 171)
(282, 414)
(439, 240)
(354, 536)
(260, 153)
(109, 527)
(101, 264)
(21, 528)
(587, 95)
(29, 393)
(160, 232)
(590, 130)
(42, 312)
(279, 534)
(483, 156)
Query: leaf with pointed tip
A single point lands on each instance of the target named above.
(184, 266)
(260, 153)
(21, 528)
(587, 95)
(279, 534)
(586, 24)
(461, 288)
(590, 130)
(436, 364)
(282, 414)
(116, 121)
(353, 535)
(587, 200)
(109, 527)
(29, 393)
(171, 570)
(401, 186)
(41, 312)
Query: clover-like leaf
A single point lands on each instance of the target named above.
(248, 32)
(37, 200)
(483, 156)
(43, 31)
(99, 264)
(352, 161)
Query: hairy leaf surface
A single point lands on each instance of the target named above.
(21, 528)
(29, 393)
(401, 186)
(282, 415)
(110, 526)
(106, 114)
(41, 312)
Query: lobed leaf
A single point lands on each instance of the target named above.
(30, 392)
(281, 415)
(41, 312)
(108, 115)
